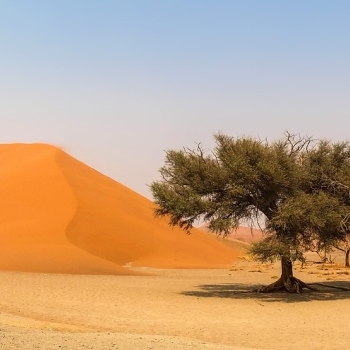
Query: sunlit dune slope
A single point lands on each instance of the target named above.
(59, 215)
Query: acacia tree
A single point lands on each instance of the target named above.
(330, 169)
(345, 248)
(253, 180)
(344, 245)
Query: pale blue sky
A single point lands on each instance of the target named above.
(115, 83)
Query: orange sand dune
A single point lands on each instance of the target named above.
(59, 215)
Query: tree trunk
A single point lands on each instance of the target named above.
(287, 281)
(347, 258)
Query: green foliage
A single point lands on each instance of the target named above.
(272, 248)
(298, 186)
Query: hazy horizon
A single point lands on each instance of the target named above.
(115, 83)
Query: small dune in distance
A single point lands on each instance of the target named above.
(240, 239)
(243, 234)
(59, 215)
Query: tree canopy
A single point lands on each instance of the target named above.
(297, 187)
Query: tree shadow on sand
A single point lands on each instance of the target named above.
(245, 291)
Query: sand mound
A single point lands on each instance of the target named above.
(59, 215)
(243, 234)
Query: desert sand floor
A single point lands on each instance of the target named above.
(173, 309)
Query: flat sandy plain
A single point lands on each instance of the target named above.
(173, 309)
